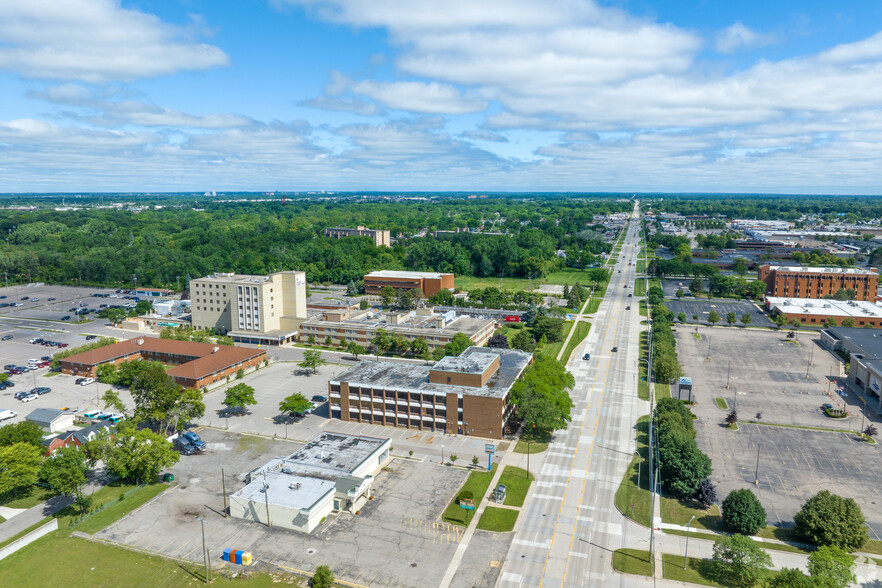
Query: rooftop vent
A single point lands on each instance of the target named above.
(294, 486)
(215, 349)
(140, 341)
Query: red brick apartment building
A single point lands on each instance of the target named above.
(817, 282)
(428, 282)
(468, 394)
(197, 364)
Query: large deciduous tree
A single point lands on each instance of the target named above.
(67, 472)
(741, 560)
(312, 360)
(294, 404)
(134, 455)
(239, 397)
(743, 513)
(19, 466)
(828, 519)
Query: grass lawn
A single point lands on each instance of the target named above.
(59, 560)
(568, 275)
(679, 512)
(699, 571)
(642, 308)
(632, 501)
(477, 483)
(639, 287)
(641, 266)
(517, 481)
(721, 403)
(532, 444)
(501, 520)
(579, 335)
(36, 496)
(593, 305)
(552, 349)
(120, 508)
(662, 391)
(632, 561)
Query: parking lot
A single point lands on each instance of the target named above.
(397, 540)
(768, 376)
(697, 311)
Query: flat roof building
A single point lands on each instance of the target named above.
(332, 473)
(811, 311)
(251, 309)
(817, 282)
(360, 327)
(864, 350)
(427, 282)
(197, 365)
(381, 238)
(468, 394)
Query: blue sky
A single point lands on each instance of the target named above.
(510, 95)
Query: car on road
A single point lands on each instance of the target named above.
(66, 317)
(587, 356)
(25, 297)
(29, 397)
(7, 337)
(615, 349)
(35, 299)
(87, 381)
(319, 398)
(194, 440)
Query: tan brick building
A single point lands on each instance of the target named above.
(817, 282)
(467, 395)
(427, 282)
(381, 238)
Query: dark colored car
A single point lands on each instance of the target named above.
(586, 356)
(90, 337)
(7, 337)
(615, 349)
(319, 398)
(50, 300)
(194, 440)
(25, 297)
(183, 446)
(66, 317)
(46, 358)
(79, 381)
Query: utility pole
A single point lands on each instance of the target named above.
(266, 499)
(204, 550)
(224, 489)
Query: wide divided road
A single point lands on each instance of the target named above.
(570, 527)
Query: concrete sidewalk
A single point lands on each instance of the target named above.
(32, 516)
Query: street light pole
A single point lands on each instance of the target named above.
(756, 471)
(686, 552)
(639, 467)
(442, 454)
(204, 552)
(728, 373)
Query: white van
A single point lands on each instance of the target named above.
(6, 414)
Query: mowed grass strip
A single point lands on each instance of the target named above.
(631, 500)
(501, 520)
(517, 482)
(119, 509)
(579, 335)
(477, 483)
(632, 561)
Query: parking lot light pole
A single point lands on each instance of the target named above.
(442, 454)
(638, 468)
(756, 471)
(204, 552)
(686, 551)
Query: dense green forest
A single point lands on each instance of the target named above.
(163, 246)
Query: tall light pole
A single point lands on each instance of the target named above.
(686, 551)
(204, 551)
(728, 373)
(442, 454)
(756, 471)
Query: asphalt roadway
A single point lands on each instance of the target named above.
(570, 527)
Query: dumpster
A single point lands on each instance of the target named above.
(168, 478)
(237, 556)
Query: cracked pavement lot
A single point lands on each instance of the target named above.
(397, 540)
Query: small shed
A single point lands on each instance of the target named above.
(51, 419)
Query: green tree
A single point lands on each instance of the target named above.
(355, 349)
(323, 578)
(522, 340)
(112, 400)
(499, 340)
(665, 366)
(829, 322)
(143, 307)
(848, 322)
(19, 466)
(831, 567)
(713, 318)
(696, 286)
(387, 295)
(419, 347)
(381, 342)
(23, 432)
(683, 465)
(743, 513)
(681, 317)
(295, 404)
(790, 578)
(132, 454)
(552, 328)
(741, 560)
(67, 473)
(312, 360)
(746, 319)
(329, 342)
(829, 519)
(731, 318)
(363, 304)
(542, 394)
(240, 373)
(155, 394)
(239, 397)
(679, 293)
(187, 407)
(107, 373)
(457, 345)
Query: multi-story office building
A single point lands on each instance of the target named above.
(817, 282)
(427, 282)
(343, 326)
(469, 394)
(381, 238)
(251, 309)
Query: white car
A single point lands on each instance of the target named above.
(35, 299)
(87, 381)
(34, 340)
(29, 397)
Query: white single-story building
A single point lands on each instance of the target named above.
(51, 419)
(332, 473)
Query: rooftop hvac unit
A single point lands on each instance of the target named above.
(215, 349)
(294, 486)
(140, 341)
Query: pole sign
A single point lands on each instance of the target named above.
(490, 449)
(467, 504)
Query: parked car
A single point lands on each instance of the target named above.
(183, 446)
(50, 300)
(9, 384)
(319, 398)
(87, 381)
(66, 317)
(25, 297)
(94, 414)
(194, 440)
(79, 381)
(34, 340)
(90, 337)
(42, 390)
(35, 299)
(29, 397)
(7, 337)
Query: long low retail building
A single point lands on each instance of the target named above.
(811, 311)
(333, 473)
(197, 365)
(469, 394)
(863, 347)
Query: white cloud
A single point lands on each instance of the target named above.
(345, 105)
(738, 36)
(429, 98)
(485, 136)
(95, 41)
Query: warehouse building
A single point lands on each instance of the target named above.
(197, 365)
(381, 238)
(863, 347)
(468, 394)
(811, 311)
(333, 473)
(438, 330)
(427, 282)
(251, 309)
(817, 282)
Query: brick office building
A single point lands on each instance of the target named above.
(817, 282)
(428, 282)
(196, 364)
(381, 238)
(468, 394)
